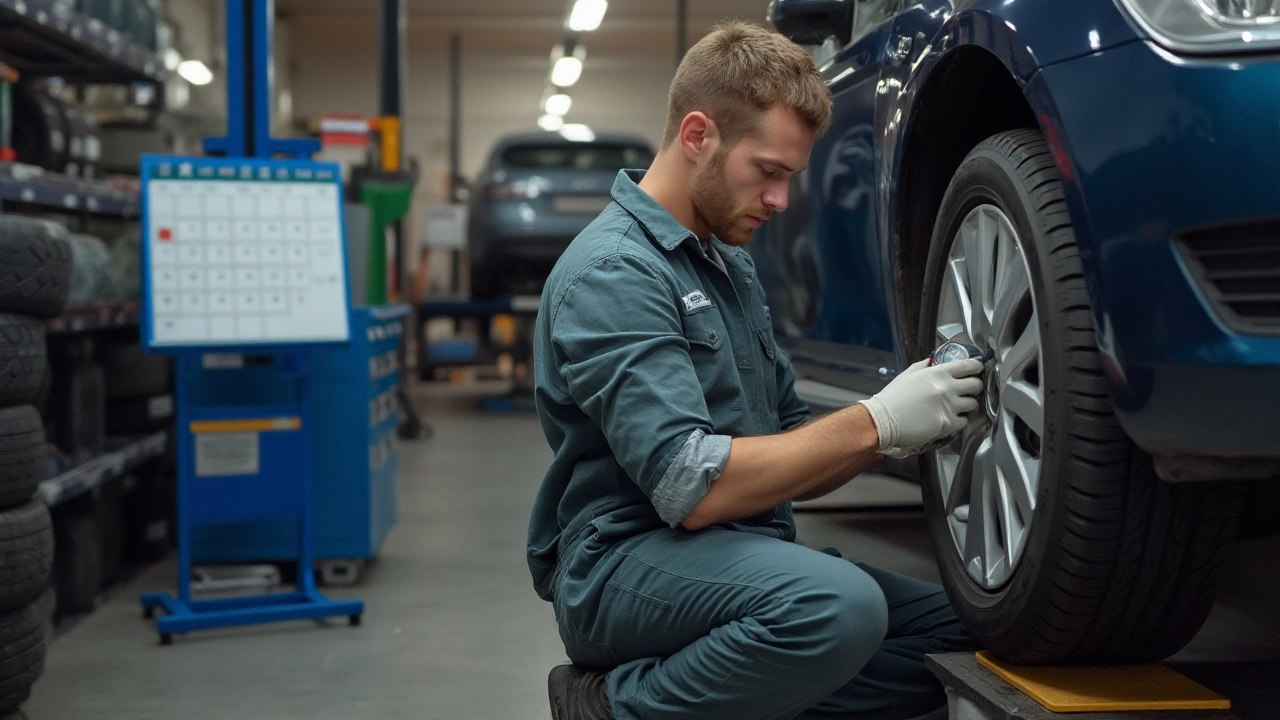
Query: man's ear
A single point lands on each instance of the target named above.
(699, 137)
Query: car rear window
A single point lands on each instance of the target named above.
(577, 156)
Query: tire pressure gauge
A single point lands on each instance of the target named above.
(954, 349)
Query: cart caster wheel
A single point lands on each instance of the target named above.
(148, 613)
(353, 620)
(166, 639)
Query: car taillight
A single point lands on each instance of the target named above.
(518, 190)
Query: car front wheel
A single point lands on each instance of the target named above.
(1055, 540)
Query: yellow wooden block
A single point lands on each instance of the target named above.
(1106, 688)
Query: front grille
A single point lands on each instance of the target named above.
(1238, 269)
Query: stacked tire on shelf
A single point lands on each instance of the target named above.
(35, 274)
(139, 401)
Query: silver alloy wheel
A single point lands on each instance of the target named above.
(989, 476)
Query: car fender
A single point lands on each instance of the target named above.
(1021, 45)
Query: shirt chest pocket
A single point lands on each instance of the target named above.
(712, 355)
(768, 371)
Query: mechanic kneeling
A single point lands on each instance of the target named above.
(663, 531)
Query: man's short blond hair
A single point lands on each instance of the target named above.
(737, 73)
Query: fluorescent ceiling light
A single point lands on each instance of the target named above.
(172, 58)
(558, 104)
(550, 123)
(195, 72)
(566, 71)
(587, 15)
(577, 132)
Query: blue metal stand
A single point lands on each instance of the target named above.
(239, 463)
(281, 487)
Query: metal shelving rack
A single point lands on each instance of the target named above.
(40, 37)
(95, 317)
(36, 186)
(104, 468)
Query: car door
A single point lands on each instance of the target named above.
(821, 260)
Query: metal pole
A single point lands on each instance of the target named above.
(455, 114)
(391, 20)
(682, 29)
(455, 145)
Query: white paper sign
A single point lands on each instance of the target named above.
(226, 454)
(447, 227)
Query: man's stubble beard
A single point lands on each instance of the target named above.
(714, 206)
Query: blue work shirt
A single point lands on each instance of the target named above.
(648, 359)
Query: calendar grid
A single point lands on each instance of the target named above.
(244, 255)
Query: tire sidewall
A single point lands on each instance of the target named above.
(987, 176)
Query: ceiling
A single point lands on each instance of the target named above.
(534, 16)
(554, 9)
(518, 28)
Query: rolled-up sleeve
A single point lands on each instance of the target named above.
(622, 352)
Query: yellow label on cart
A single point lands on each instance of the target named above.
(283, 424)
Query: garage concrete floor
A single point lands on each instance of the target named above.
(453, 629)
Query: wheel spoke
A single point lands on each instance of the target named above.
(958, 492)
(1020, 472)
(1010, 531)
(978, 262)
(1026, 402)
(982, 526)
(958, 280)
(1012, 291)
(1023, 353)
(948, 331)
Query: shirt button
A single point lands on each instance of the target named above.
(712, 336)
(749, 281)
(744, 364)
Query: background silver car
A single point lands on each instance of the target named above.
(537, 192)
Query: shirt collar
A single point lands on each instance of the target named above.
(665, 229)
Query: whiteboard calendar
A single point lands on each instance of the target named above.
(243, 252)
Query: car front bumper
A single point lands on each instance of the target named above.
(1155, 148)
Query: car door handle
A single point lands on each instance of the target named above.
(900, 49)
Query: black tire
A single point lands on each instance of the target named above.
(148, 512)
(77, 411)
(110, 513)
(139, 415)
(22, 454)
(78, 561)
(1119, 566)
(129, 372)
(26, 554)
(22, 359)
(47, 605)
(484, 283)
(35, 266)
(22, 637)
(91, 270)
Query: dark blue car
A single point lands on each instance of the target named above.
(1091, 189)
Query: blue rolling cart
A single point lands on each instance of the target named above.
(355, 457)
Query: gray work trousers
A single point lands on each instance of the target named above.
(733, 625)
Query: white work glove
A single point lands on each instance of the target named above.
(924, 404)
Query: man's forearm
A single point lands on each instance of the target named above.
(837, 482)
(764, 472)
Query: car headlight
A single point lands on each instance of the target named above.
(1209, 26)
